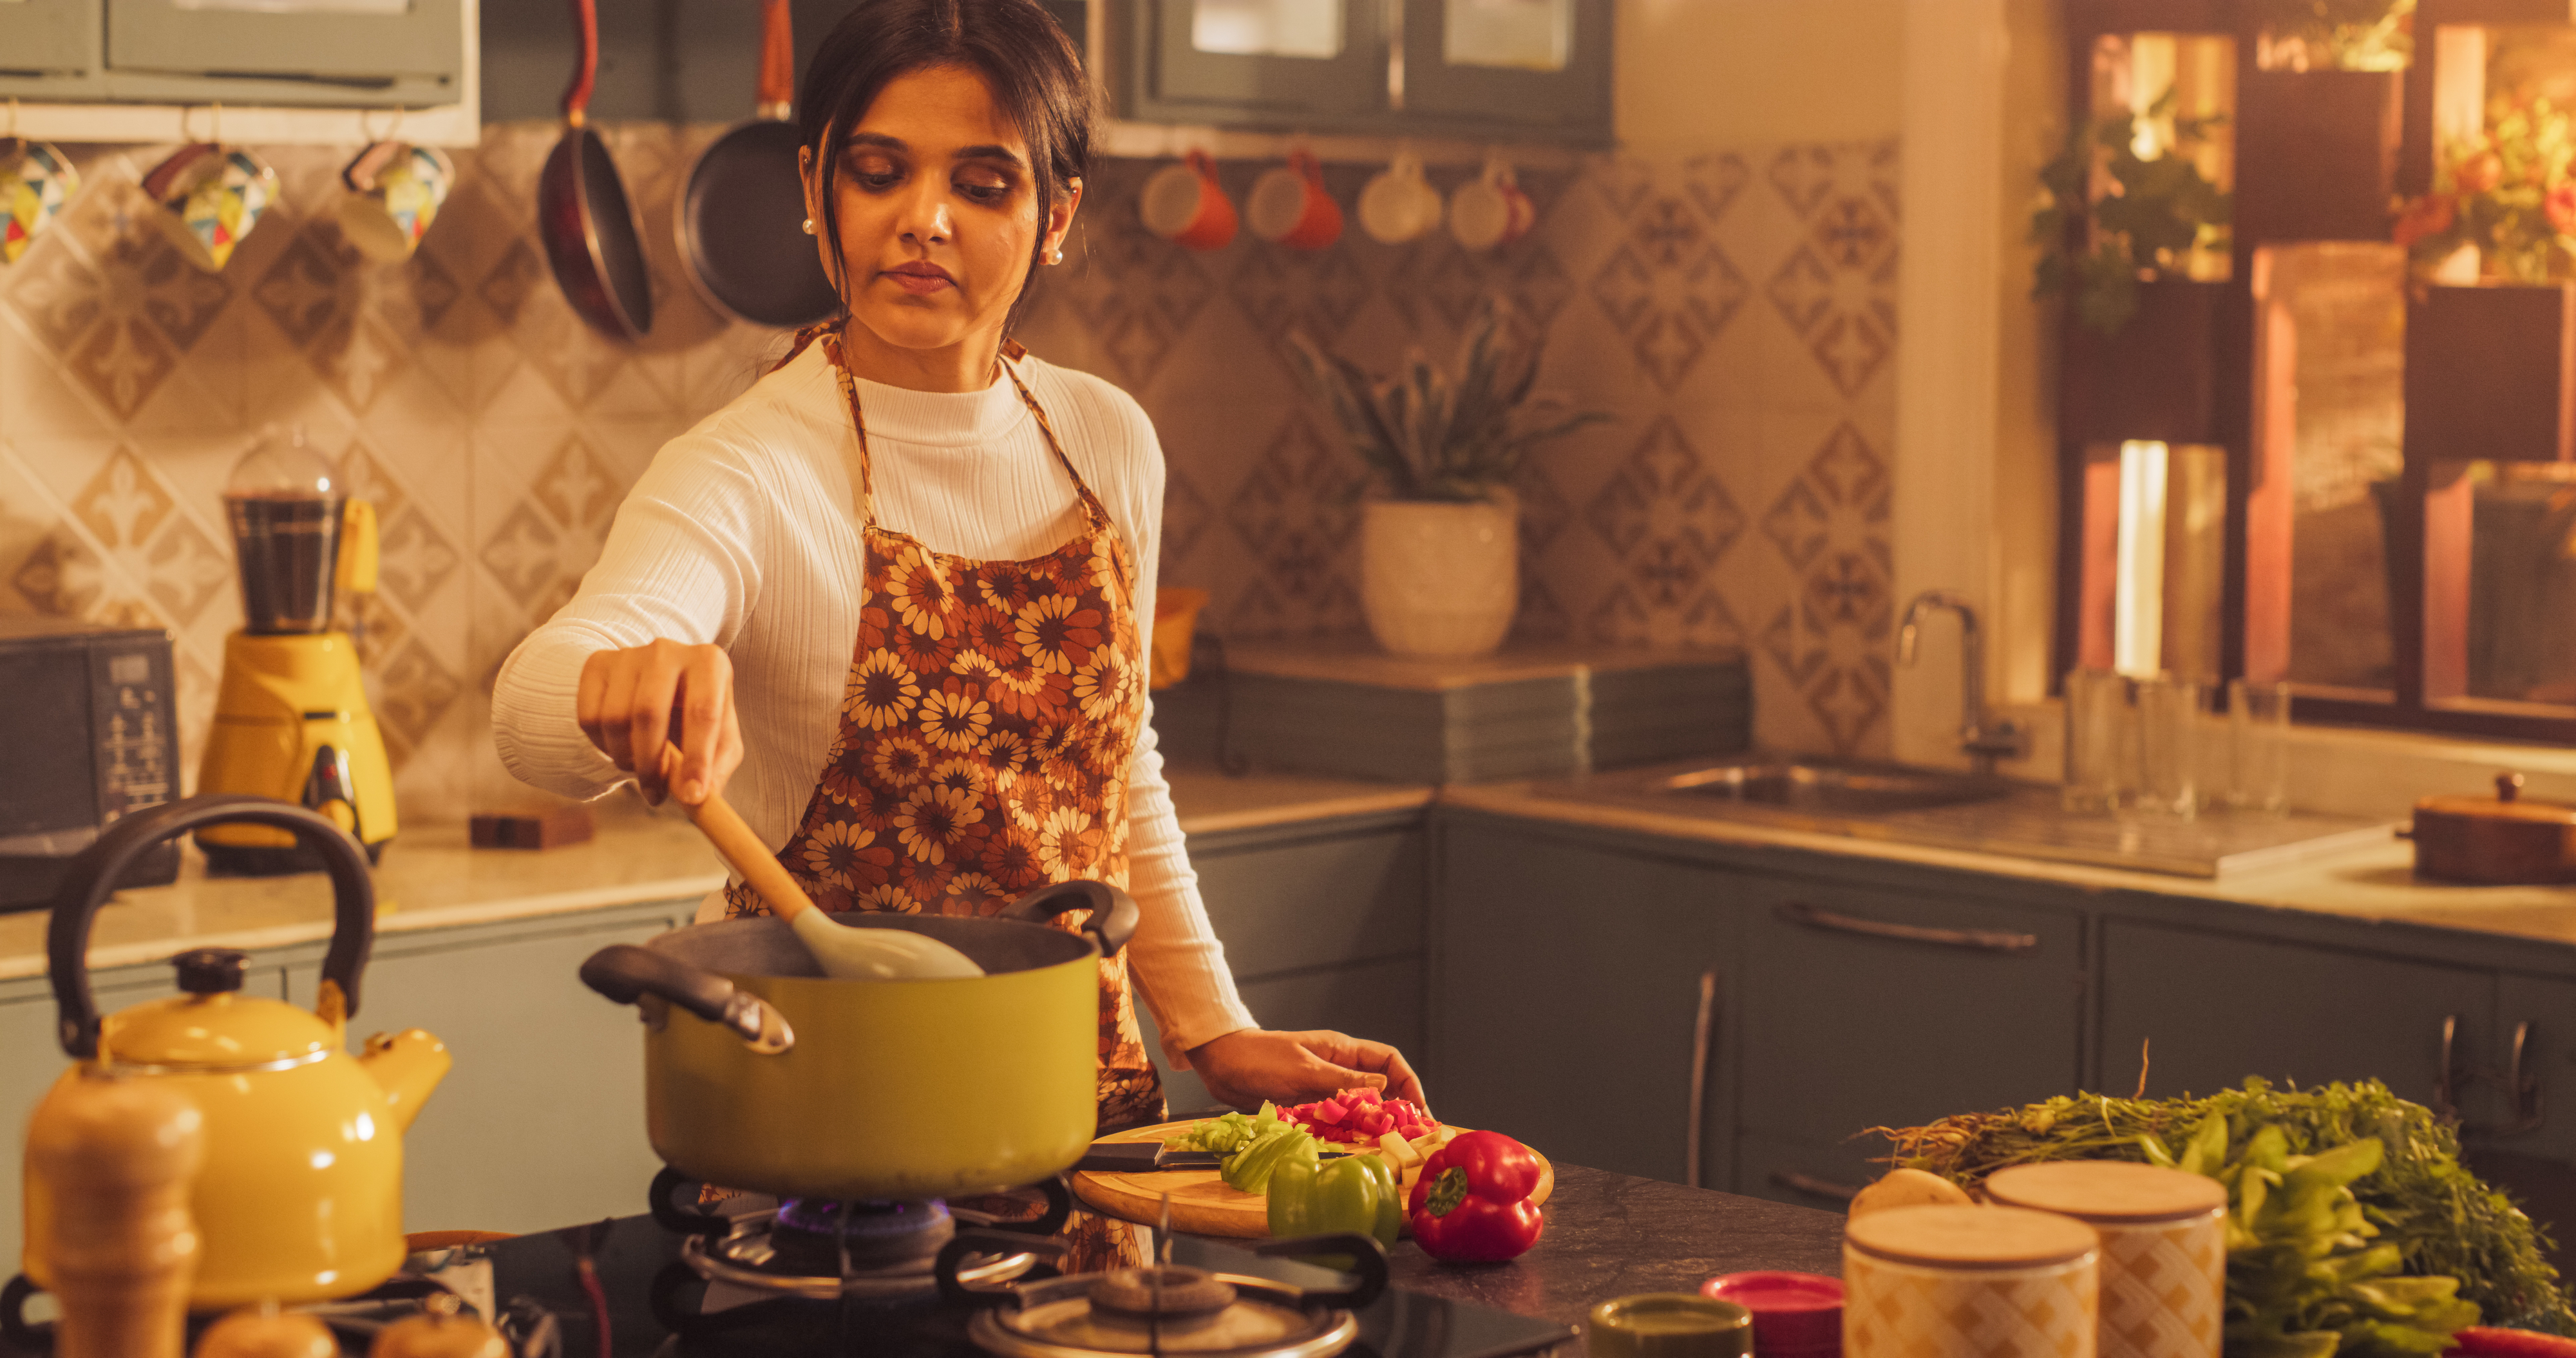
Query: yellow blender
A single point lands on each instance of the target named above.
(291, 719)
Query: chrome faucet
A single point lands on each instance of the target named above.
(1984, 738)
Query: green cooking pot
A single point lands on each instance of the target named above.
(761, 1073)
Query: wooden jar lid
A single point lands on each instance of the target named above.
(1971, 1237)
(2112, 1192)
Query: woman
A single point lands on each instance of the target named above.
(982, 524)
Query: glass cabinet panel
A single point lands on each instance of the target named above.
(1267, 28)
(1530, 35)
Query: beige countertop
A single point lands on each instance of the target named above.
(432, 879)
(2375, 881)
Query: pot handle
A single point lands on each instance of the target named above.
(1369, 1256)
(92, 876)
(626, 973)
(1113, 912)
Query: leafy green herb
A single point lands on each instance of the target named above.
(2354, 1227)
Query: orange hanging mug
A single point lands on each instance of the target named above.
(1184, 204)
(1290, 206)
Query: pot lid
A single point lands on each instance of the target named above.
(2507, 805)
(1972, 1237)
(1114, 1313)
(211, 1025)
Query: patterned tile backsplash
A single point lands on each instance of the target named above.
(1735, 311)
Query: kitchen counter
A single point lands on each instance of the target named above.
(2374, 881)
(1609, 1235)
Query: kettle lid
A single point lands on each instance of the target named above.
(211, 1024)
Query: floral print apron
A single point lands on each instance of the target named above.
(991, 713)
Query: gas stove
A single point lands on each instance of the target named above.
(676, 1294)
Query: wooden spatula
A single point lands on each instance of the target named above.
(843, 952)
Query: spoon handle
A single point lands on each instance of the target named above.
(740, 848)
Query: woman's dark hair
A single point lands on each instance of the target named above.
(1034, 70)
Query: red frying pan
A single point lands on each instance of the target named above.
(592, 238)
(741, 216)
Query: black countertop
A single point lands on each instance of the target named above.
(1609, 1235)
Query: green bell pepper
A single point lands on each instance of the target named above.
(1355, 1193)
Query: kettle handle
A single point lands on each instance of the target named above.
(1113, 912)
(92, 876)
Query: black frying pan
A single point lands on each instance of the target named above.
(592, 238)
(741, 214)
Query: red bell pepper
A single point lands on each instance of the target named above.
(1472, 1203)
(2493, 1343)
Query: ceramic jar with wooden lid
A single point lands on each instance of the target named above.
(2164, 1248)
(2000, 1282)
(2504, 840)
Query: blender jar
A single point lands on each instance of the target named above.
(286, 504)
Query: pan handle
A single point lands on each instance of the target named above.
(777, 61)
(1113, 912)
(626, 973)
(585, 25)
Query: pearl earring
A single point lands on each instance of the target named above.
(809, 226)
(1055, 257)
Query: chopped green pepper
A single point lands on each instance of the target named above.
(1248, 1170)
(1355, 1193)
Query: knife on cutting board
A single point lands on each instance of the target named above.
(1146, 1157)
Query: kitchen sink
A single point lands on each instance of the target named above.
(1835, 786)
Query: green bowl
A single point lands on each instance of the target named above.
(1669, 1325)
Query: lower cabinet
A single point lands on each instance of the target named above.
(1865, 1006)
(541, 1120)
(2205, 1010)
(1568, 990)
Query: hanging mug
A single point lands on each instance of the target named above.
(209, 196)
(394, 192)
(1183, 204)
(1398, 205)
(1490, 210)
(36, 182)
(1290, 206)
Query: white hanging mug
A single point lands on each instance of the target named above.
(1490, 210)
(1398, 204)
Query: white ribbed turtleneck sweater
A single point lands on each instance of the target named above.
(744, 533)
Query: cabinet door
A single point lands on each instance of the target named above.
(331, 52)
(1566, 998)
(1868, 1007)
(1279, 61)
(2211, 1009)
(48, 47)
(1320, 901)
(2525, 1142)
(1530, 65)
(541, 1121)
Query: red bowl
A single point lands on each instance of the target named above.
(1795, 1315)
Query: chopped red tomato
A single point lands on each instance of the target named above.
(1359, 1116)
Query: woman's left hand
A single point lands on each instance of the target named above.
(1249, 1065)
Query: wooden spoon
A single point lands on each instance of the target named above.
(844, 953)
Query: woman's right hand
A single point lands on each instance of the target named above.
(633, 701)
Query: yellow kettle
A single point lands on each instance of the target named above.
(300, 1197)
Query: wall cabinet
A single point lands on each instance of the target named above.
(1528, 69)
(331, 53)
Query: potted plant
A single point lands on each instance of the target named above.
(1439, 541)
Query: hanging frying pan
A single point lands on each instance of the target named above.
(592, 238)
(741, 214)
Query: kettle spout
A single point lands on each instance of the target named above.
(407, 1066)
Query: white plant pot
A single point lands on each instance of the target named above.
(1439, 579)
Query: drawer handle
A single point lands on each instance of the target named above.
(1975, 940)
(1812, 1186)
(1703, 1034)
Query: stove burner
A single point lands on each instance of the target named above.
(818, 1236)
(1171, 1294)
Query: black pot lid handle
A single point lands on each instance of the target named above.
(93, 874)
(1113, 912)
(626, 974)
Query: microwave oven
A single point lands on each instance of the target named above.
(88, 733)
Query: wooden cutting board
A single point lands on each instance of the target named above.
(1201, 1203)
